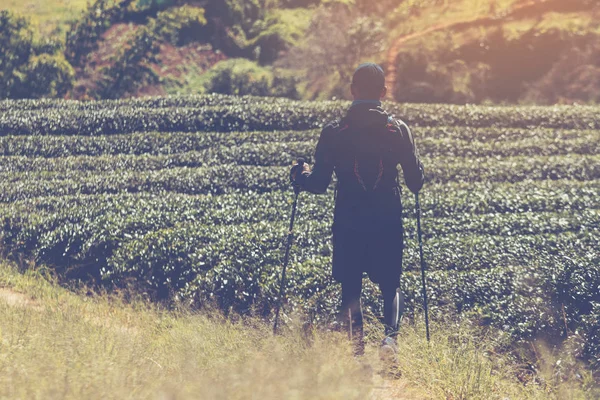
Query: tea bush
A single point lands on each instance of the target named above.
(226, 114)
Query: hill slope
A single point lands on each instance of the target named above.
(517, 52)
(462, 51)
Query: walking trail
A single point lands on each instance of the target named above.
(16, 299)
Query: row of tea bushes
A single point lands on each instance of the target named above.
(243, 114)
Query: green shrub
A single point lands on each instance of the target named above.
(280, 30)
(15, 46)
(145, 4)
(244, 77)
(180, 24)
(574, 78)
(555, 66)
(256, 29)
(47, 76)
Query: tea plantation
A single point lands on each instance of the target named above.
(188, 199)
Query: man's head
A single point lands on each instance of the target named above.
(368, 82)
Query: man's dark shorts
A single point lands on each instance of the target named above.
(377, 252)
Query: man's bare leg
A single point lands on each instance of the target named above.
(351, 312)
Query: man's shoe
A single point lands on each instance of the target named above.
(388, 351)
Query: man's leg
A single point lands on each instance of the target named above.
(352, 310)
(391, 309)
(391, 319)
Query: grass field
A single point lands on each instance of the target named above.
(59, 344)
(186, 200)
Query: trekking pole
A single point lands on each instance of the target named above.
(286, 259)
(420, 235)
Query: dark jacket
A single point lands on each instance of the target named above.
(364, 150)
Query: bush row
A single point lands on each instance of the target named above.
(211, 99)
(555, 295)
(175, 174)
(283, 154)
(437, 201)
(261, 114)
(86, 230)
(516, 280)
(431, 143)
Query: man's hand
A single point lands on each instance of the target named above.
(298, 168)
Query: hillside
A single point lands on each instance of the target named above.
(464, 51)
(49, 18)
(521, 52)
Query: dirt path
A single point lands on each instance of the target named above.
(16, 299)
(385, 389)
(399, 42)
(19, 300)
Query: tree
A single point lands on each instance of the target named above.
(26, 69)
(338, 40)
(15, 46)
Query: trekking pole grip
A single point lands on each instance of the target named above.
(300, 164)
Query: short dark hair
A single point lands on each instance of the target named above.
(369, 80)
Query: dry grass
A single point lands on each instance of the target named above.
(58, 344)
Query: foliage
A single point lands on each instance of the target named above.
(337, 41)
(15, 46)
(232, 23)
(131, 68)
(226, 114)
(29, 69)
(574, 78)
(472, 60)
(180, 24)
(84, 34)
(47, 76)
(144, 4)
(243, 77)
(477, 64)
(278, 32)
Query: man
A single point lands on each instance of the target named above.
(364, 149)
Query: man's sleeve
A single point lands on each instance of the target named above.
(319, 179)
(414, 173)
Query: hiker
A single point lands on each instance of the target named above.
(364, 149)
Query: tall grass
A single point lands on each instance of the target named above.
(58, 344)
